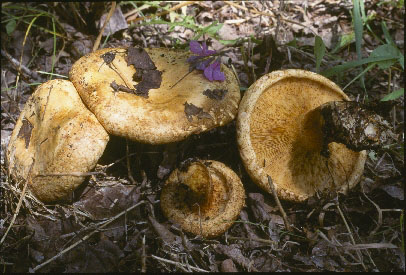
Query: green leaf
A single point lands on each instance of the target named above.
(352, 64)
(402, 61)
(213, 28)
(319, 51)
(388, 38)
(345, 40)
(10, 27)
(386, 50)
(394, 95)
(173, 16)
(228, 42)
(358, 29)
(292, 43)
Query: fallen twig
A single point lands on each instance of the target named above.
(143, 257)
(86, 237)
(72, 174)
(351, 236)
(178, 264)
(275, 195)
(97, 43)
(130, 176)
(19, 67)
(253, 239)
(19, 204)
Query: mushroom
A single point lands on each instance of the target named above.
(150, 96)
(55, 134)
(280, 133)
(204, 197)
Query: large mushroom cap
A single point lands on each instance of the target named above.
(150, 96)
(61, 135)
(279, 134)
(204, 197)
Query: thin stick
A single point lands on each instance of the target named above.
(121, 75)
(143, 257)
(130, 176)
(86, 237)
(97, 43)
(275, 195)
(19, 66)
(20, 201)
(9, 115)
(178, 264)
(253, 239)
(379, 223)
(181, 79)
(351, 236)
(72, 174)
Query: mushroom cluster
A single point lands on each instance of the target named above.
(145, 95)
(288, 127)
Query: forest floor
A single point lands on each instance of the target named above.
(101, 229)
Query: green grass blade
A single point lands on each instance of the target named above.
(54, 51)
(388, 38)
(370, 66)
(394, 95)
(58, 75)
(352, 64)
(319, 51)
(358, 29)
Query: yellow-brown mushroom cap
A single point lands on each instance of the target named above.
(280, 136)
(225, 201)
(178, 108)
(57, 131)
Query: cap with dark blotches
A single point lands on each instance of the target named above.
(149, 95)
(204, 197)
(58, 133)
(280, 134)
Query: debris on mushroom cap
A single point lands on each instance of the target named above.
(204, 197)
(280, 135)
(149, 95)
(357, 125)
(60, 135)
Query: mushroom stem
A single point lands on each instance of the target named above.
(197, 178)
(357, 126)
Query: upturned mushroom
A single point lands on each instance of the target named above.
(55, 141)
(204, 197)
(283, 131)
(150, 96)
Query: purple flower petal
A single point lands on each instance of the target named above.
(195, 47)
(206, 51)
(218, 75)
(193, 58)
(208, 73)
(202, 65)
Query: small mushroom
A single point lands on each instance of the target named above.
(204, 197)
(55, 134)
(280, 134)
(150, 96)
